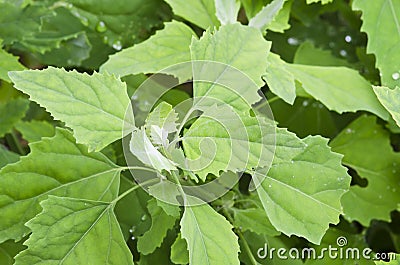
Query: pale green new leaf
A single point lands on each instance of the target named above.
(161, 122)
(281, 21)
(73, 231)
(166, 48)
(366, 148)
(227, 11)
(339, 88)
(179, 251)
(199, 12)
(11, 112)
(301, 195)
(381, 22)
(94, 106)
(145, 151)
(7, 157)
(34, 130)
(265, 17)
(279, 79)
(242, 53)
(220, 141)
(161, 222)
(56, 166)
(209, 236)
(8, 62)
(390, 99)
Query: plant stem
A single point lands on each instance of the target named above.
(120, 197)
(244, 242)
(267, 102)
(16, 143)
(139, 168)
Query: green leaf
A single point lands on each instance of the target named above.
(199, 12)
(34, 130)
(227, 11)
(179, 251)
(222, 141)
(390, 100)
(254, 220)
(166, 48)
(295, 207)
(366, 149)
(247, 52)
(94, 235)
(252, 7)
(279, 79)
(308, 54)
(18, 23)
(161, 122)
(395, 261)
(265, 17)
(162, 254)
(93, 106)
(8, 250)
(208, 244)
(119, 24)
(321, 1)
(10, 113)
(281, 21)
(8, 62)
(381, 23)
(338, 88)
(7, 157)
(161, 222)
(56, 166)
(145, 151)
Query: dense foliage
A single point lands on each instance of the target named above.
(87, 113)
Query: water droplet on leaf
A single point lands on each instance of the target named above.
(396, 76)
(101, 27)
(343, 53)
(293, 41)
(144, 217)
(348, 38)
(117, 45)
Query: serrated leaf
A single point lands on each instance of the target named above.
(161, 254)
(166, 48)
(10, 113)
(161, 222)
(145, 151)
(366, 149)
(8, 62)
(227, 11)
(199, 12)
(339, 88)
(254, 220)
(222, 141)
(281, 20)
(34, 130)
(227, 82)
(93, 106)
(381, 23)
(55, 166)
(161, 122)
(7, 157)
(179, 251)
(279, 79)
(208, 244)
(252, 7)
(265, 17)
(390, 99)
(94, 235)
(295, 207)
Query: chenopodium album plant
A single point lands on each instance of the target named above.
(193, 156)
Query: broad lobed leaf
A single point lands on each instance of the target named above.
(94, 235)
(96, 107)
(56, 166)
